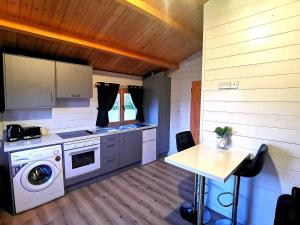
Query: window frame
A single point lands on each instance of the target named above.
(122, 92)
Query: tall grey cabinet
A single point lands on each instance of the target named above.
(157, 96)
(28, 82)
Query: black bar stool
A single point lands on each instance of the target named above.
(288, 208)
(188, 211)
(250, 168)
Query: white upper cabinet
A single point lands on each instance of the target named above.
(73, 80)
(28, 82)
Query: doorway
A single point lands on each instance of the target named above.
(195, 110)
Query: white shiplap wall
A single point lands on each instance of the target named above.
(78, 118)
(181, 84)
(257, 43)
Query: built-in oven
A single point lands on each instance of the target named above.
(82, 160)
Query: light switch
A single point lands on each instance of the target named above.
(229, 84)
(225, 85)
(234, 84)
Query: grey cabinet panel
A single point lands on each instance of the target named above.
(109, 139)
(157, 96)
(29, 82)
(130, 147)
(109, 164)
(73, 80)
(109, 149)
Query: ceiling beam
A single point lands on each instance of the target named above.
(56, 35)
(153, 13)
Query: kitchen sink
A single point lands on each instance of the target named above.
(126, 127)
(138, 125)
(100, 130)
(108, 129)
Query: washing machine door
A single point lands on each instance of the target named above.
(39, 175)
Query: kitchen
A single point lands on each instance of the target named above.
(224, 71)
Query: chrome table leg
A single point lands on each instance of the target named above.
(200, 198)
(235, 199)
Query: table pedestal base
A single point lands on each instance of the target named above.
(223, 222)
(188, 213)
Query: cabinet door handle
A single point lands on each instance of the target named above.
(75, 96)
(110, 146)
(51, 94)
(111, 160)
(122, 141)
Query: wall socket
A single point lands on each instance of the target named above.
(229, 84)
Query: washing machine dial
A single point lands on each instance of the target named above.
(55, 152)
(57, 158)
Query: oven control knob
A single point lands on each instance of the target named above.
(55, 152)
(57, 158)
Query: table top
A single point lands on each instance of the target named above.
(208, 161)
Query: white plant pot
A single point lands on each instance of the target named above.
(222, 142)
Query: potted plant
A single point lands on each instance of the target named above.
(223, 136)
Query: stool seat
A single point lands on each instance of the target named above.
(250, 168)
(288, 208)
(184, 140)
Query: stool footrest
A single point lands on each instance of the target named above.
(225, 205)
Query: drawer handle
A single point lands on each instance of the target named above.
(110, 146)
(110, 139)
(75, 96)
(111, 160)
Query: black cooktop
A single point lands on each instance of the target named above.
(74, 134)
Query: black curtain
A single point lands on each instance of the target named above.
(107, 94)
(1, 86)
(136, 93)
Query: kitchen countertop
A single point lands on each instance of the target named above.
(53, 139)
(50, 139)
(208, 161)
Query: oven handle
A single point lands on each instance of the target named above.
(83, 150)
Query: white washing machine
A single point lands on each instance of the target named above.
(37, 176)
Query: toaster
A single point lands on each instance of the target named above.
(31, 133)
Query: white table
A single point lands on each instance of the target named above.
(208, 162)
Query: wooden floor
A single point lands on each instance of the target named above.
(150, 194)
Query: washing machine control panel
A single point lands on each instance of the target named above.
(21, 157)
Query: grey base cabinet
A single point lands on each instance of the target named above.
(120, 150)
(109, 153)
(130, 147)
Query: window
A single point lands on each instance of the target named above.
(130, 110)
(123, 109)
(114, 113)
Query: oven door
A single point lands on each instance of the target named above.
(81, 160)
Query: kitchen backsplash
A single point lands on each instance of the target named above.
(70, 114)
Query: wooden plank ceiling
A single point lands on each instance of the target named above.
(126, 36)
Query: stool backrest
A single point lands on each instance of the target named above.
(184, 140)
(258, 162)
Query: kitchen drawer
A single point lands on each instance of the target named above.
(109, 149)
(149, 134)
(109, 164)
(113, 138)
(149, 152)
